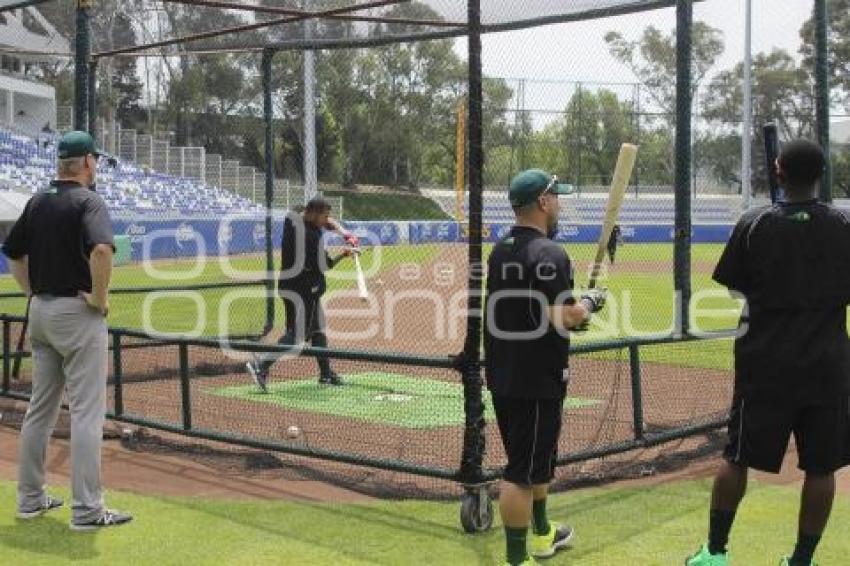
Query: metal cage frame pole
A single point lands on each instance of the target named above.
(470, 366)
(92, 97)
(684, 164)
(311, 181)
(821, 20)
(460, 160)
(81, 64)
(747, 133)
(268, 115)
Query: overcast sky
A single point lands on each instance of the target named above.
(577, 51)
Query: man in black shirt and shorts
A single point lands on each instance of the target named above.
(791, 261)
(304, 262)
(60, 253)
(529, 310)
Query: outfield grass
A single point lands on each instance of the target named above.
(641, 297)
(641, 302)
(173, 312)
(646, 526)
(651, 293)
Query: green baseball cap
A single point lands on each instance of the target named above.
(531, 183)
(77, 144)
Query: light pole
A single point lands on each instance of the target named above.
(747, 133)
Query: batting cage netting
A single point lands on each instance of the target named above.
(409, 119)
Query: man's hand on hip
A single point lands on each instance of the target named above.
(101, 306)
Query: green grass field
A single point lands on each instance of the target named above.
(641, 297)
(645, 526)
(380, 398)
(641, 302)
(180, 314)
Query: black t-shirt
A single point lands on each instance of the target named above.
(526, 272)
(307, 275)
(792, 263)
(57, 230)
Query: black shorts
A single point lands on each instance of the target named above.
(760, 427)
(530, 429)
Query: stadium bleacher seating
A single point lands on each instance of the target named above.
(30, 164)
(589, 208)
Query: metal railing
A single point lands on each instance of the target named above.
(122, 340)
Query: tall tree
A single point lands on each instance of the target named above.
(838, 47)
(782, 93)
(113, 25)
(841, 172)
(394, 107)
(597, 124)
(652, 59)
(119, 88)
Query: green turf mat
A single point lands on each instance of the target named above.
(376, 397)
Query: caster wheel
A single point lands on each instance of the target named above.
(476, 511)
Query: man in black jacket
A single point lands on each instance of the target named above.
(791, 261)
(304, 262)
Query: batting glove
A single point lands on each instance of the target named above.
(351, 240)
(594, 299)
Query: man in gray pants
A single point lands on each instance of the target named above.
(60, 253)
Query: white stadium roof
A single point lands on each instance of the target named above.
(27, 32)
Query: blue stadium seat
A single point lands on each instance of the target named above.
(26, 163)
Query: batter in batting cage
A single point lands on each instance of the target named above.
(530, 308)
(304, 262)
(791, 261)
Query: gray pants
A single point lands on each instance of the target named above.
(69, 351)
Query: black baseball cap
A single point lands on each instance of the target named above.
(79, 144)
(531, 183)
(317, 204)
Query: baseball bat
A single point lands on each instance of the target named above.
(622, 174)
(362, 292)
(771, 154)
(19, 348)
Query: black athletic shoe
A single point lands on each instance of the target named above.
(49, 504)
(109, 518)
(330, 379)
(259, 376)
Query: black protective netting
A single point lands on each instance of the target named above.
(389, 149)
(400, 413)
(345, 23)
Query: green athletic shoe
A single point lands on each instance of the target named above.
(786, 561)
(544, 546)
(705, 558)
